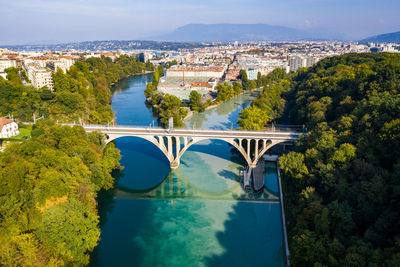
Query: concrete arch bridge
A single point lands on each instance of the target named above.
(174, 142)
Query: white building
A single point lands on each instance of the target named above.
(8, 128)
(252, 74)
(301, 61)
(296, 62)
(63, 63)
(211, 71)
(40, 77)
(6, 63)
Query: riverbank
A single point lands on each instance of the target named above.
(283, 217)
(191, 112)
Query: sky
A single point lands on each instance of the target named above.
(47, 21)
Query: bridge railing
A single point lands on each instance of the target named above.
(269, 128)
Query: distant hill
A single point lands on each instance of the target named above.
(237, 32)
(393, 37)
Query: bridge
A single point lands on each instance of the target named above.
(174, 142)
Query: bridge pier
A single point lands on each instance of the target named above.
(174, 164)
(253, 165)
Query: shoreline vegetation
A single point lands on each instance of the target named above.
(341, 181)
(49, 183)
(191, 113)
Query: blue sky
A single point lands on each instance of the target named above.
(25, 21)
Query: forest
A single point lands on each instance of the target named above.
(49, 183)
(270, 105)
(82, 94)
(48, 186)
(342, 180)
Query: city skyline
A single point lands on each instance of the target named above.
(44, 21)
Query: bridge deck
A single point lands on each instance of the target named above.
(272, 133)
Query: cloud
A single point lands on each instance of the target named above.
(381, 21)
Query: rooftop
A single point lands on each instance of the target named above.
(4, 121)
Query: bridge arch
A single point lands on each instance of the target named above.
(155, 140)
(198, 139)
(238, 143)
(251, 160)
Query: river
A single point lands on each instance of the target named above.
(197, 215)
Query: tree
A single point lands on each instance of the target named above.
(237, 88)
(259, 79)
(293, 165)
(171, 107)
(149, 66)
(253, 118)
(195, 101)
(63, 228)
(13, 77)
(225, 92)
(243, 76)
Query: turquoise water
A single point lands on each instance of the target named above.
(197, 215)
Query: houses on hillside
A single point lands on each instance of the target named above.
(8, 128)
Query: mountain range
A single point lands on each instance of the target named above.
(393, 37)
(240, 32)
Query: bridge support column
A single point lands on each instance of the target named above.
(253, 165)
(175, 164)
(169, 148)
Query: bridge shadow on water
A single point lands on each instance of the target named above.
(230, 175)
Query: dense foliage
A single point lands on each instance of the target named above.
(80, 94)
(48, 186)
(13, 76)
(249, 84)
(270, 104)
(342, 184)
(196, 101)
(171, 107)
(227, 92)
(151, 93)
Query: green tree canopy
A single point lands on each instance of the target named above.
(253, 118)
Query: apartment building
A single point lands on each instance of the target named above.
(6, 63)
(40, 77)
(63, 63)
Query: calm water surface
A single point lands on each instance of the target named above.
(197, 215)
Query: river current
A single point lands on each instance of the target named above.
(197, 215)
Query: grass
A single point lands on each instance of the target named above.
(23, 134)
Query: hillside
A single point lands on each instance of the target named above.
(236, 32)
(342, 185)
(393, 37)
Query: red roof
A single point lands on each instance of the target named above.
(4, 121)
